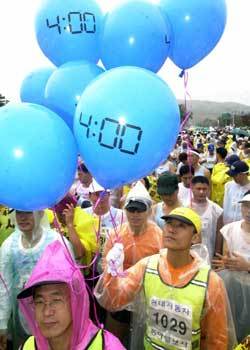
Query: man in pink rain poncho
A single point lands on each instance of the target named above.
(55, 304)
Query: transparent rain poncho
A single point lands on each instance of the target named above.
(237, 283)
(16, 265)
(57, 265)
(128, 291)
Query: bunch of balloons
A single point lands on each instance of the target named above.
(124, 118)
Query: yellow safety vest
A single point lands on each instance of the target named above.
(173, 313)
(96, 344)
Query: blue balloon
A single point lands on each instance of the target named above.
(69, 30)
(38, 157)
(126, 123)
(135, 34)
(66, 85)
(197, 27)
(33, 85)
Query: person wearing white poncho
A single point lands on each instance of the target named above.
(18, 256)
(235, 265)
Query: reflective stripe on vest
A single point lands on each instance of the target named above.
(96, 344)
(173, 314)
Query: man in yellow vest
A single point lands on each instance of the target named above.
(55, 304)
(185, 303)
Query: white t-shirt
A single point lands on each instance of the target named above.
(209, 214)
(238, 240)
(232, 208)
(184, 194)
(210, 161)
(201, 171)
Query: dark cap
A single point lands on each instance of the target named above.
(167, 183)
(237, 168)
(232, 159)
(136, 205)
(210, 147)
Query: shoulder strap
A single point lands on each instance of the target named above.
(29, 344)
(97, 340)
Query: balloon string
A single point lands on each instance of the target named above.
(187, 115)
(60, 231)
(99, 325)
(187, 96)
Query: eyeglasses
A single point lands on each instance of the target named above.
(53, 304)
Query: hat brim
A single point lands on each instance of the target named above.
(180, 218)
(231, 173)
(28, 292)
(136, 205)
(162, 191)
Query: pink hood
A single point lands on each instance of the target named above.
(56, 265)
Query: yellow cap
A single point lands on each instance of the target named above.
(186, 215)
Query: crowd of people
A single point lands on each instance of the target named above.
(162, 263)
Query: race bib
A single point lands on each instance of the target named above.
(104, 234)
(171, 323)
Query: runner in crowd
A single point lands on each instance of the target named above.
(210, 157)
(55, 304)
(236, 265)
(167, 188)
(19, 254)
(185, 303)
(211, 214)
(140, 237)
(235, 190)
(185, 192)
(199, 170)
(219, 176)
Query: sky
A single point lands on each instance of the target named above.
(223, 76)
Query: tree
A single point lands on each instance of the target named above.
(225, 119)
(183, 112)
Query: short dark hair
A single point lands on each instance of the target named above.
(222, 152)
(186, 169)
(147, 183)
(82, 167)
(183, 157)
(200, 180)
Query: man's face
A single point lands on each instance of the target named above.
(240, 178)
(170, 199)
(245, 210)
(25, 221)
(137, 219)
(85, 178)
(100, 201)
(53, 310)
(200, 192)
(194, 159)
(177, 235)
(186, 179)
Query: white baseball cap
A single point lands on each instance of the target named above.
(246, 198)
(96, 187)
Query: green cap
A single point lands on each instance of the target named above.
(167, 183)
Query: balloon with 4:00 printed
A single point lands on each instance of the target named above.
(126, 123)
(69, 30)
